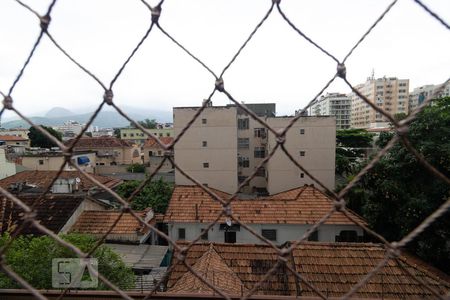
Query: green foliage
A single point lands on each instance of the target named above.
(147, 123)
(37, 139)
(31, 258)
(398, 193)
(350, 146)
(136, 168)
(155, 194)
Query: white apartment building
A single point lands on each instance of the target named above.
(334, 104)
(6, 168)
(391, 94)
(224, 147)
(419, 94)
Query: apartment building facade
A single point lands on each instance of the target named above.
(225, 146)
(136, 136)
(390, 94)
(334, 104)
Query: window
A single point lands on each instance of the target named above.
(241, 179)
(302, 153)
(243, 123)
(314, 236)
(132, 134)
(167, 133)
(261, 172)
(203, 121)
(204, 233)
(243, 143)
(160, 134)
(159, 152)
(205, 165)
(181, 233)
(124, 135)
(260, 152)
(204, 144)
(302, 175)
(150, 153)
(41, 161)
(302, 130)
(230, 237)
(270, 234)
(347, 236)
(243, 162)
(260, 132)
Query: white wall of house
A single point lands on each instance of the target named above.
(285, 232)
(6, 168)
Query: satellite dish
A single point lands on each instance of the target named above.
(228, 221)
(77, 180)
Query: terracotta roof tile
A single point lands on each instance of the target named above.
(99, 222)
(304, 205)
(333, 268)
(99, 142)
(214, 269)
(12, 138)
(151, 143)
(53, 212)
(42, 179)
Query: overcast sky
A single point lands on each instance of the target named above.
(276, 66)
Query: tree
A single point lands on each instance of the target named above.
(136, 168)
(147, 123)
(398, 194)
(351, 145)
(155, 194)
(31, 258)
(37, 139)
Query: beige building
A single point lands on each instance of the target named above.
(333, 104)
(135, 135)
(153, 154)
(15, 141)
(224, 146)
(391, 94)
(52, 161)
(6, 168)
(110, 151)
(20, 132)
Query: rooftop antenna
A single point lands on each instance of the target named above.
(373, 73)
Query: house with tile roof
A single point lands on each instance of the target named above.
(68, 196)
(153, 154)
(331, 268)
(279, 218)
(121, 227)
(110, 151)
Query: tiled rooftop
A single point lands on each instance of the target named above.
(99, 222)
(88, 143)
(303, 205)
(42, 179)
(53, 212)
(12, 138)
(333, 268)
(213, 268)
(151, 143)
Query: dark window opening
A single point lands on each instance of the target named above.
(348, 236)
(230, 237)
(204, 235)
(314, 236)
(205, 165)
(181, 233)
(270, 234)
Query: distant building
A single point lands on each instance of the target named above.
(6, 168)
(101, 132)
(52, 161)
(135, 135)
(281, 217)
(70, 129)
(333, 104)
(110, 151)
(15, 141)
(421, 93)
(20, 132)
(153, 154)
(224, 146)
(390, 94)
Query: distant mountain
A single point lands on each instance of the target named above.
(57, 112)
(106, 118)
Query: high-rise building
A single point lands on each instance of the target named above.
(391, 94)
(333, 104)
(225, 145)
(419, 94)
